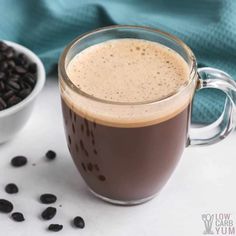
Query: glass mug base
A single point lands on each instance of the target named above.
(122, 203)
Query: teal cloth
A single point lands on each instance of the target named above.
(207, 26)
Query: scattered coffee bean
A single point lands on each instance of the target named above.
(51, 155)
(17, 216)
(17, 76)
(18, 161)
(55, 227)
(11, 188)
(5, 206)
(48, 198)
(49, 213)
(79, 222)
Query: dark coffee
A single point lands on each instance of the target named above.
(125, 163)
(127, 131)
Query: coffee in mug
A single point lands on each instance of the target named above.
(126, 104)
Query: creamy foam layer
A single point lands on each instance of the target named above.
(128, 70)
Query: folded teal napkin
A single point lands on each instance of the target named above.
(207, 26)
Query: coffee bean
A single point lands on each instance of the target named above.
(3, 65)
(13, 85)
(49, 213)
(55, 227)
(17, 76)
(3, 105)
(13, 100)
(8, 88)
(51, 155)
(32, 68)
(2, 86)
(22, 57)
(24, 93)
(3, 46)
(2, 75)
(9, 53)
(2, 57)
(25, 85)
(8, 94)
(79, 222)
(17, 216)
(5, 206)
(48, 198)
(20, 70)
(11, 188)
(18, 61)
(11, 64)
(18, 161)
(29, 78)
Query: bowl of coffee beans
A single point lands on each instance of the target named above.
(22, 76)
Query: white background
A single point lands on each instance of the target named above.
(204, 182)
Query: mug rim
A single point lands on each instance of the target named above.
(64, 76)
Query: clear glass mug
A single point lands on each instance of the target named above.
(129, 163)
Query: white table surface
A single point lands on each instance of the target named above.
(203, 182)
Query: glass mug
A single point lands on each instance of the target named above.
(128, 164)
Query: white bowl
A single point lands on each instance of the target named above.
(14, 118)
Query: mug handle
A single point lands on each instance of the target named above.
(225, 124)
